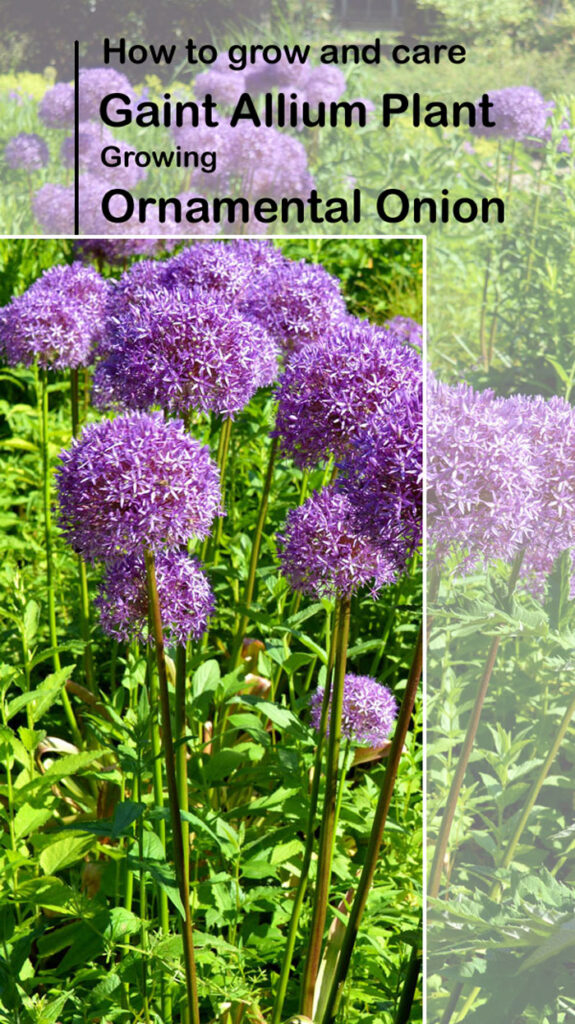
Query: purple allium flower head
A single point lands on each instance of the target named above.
(300, 303)
(92, 138)
(549, 427)
(59, 320)
(262, 76)
(134, 481)
(94, 84)
(229, 268)
(406, 329)
(27, 152)
(483, 482)
(322, 551)
(56, 109)
(329, 392)
(226, 87)
(382, 474)
(519, 112)
(325, 83)
(186, 349)
(184, 592)
(53, 208)
(368, 713)
(119, 250)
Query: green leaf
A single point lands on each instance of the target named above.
(43, 697)
(64, 852)
(30, 621)
(29, 819)
(125, 814)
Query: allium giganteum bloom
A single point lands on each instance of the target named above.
(231, 269)
(329, 392)
(406, 329)
(382, 473)
(184, 592)
(322, 550)
(185, 349)
(135, 481)
(520, 112)
(501, 478)
(27, 152)
(368, 713)
(299, 304)
(56, 109)
(58, 321)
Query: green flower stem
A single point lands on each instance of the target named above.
(327, 834)
(487, 278)
(170, 762)
(508, 191)
(376, 836)
(181, 747)
(157, 781)
(143, 916)
(82, 574)
(256, 547)
(461, 767)
(41, 378)
(222, 460)
(496, 888)
(309, 841)
(409, 986)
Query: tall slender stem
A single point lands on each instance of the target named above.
(327, 835)
(41, 378)
(256, 547)
(158, 786)
(309, 839)
(222, 459)
(181, 751)
(376, 836)
(82, 574)
(409, 986)
(461, 767)
(182, 877)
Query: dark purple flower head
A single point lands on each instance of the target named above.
(58, 321)
(406, 329)
(368, 713)
(56, 108)
(519, 112)
(482, 479)
(186, 598)
(231, 269)
(382, 474)
(322, 551)
(94, 84)
(135, 481)
(330, 391)
(27, 152)
(300, 303)
(185, 349)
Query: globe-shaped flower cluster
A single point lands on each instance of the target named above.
(368, 713)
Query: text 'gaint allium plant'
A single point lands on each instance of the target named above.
(59, 320)
(133, 482)
(368, 713)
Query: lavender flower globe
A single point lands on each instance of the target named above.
(184, 592)
(94, 84)
(135, 481)
(58, 321)
(329, 392)
(519, 112)
(53, 209)
(26, 152)
(92, 137)
(300, 304)
(185, 349)
(368, 713)
(56, 109)
(226, 87)
(323, 552)
(232, 269)
(117, 251)
(383, 474)
(483, 482)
